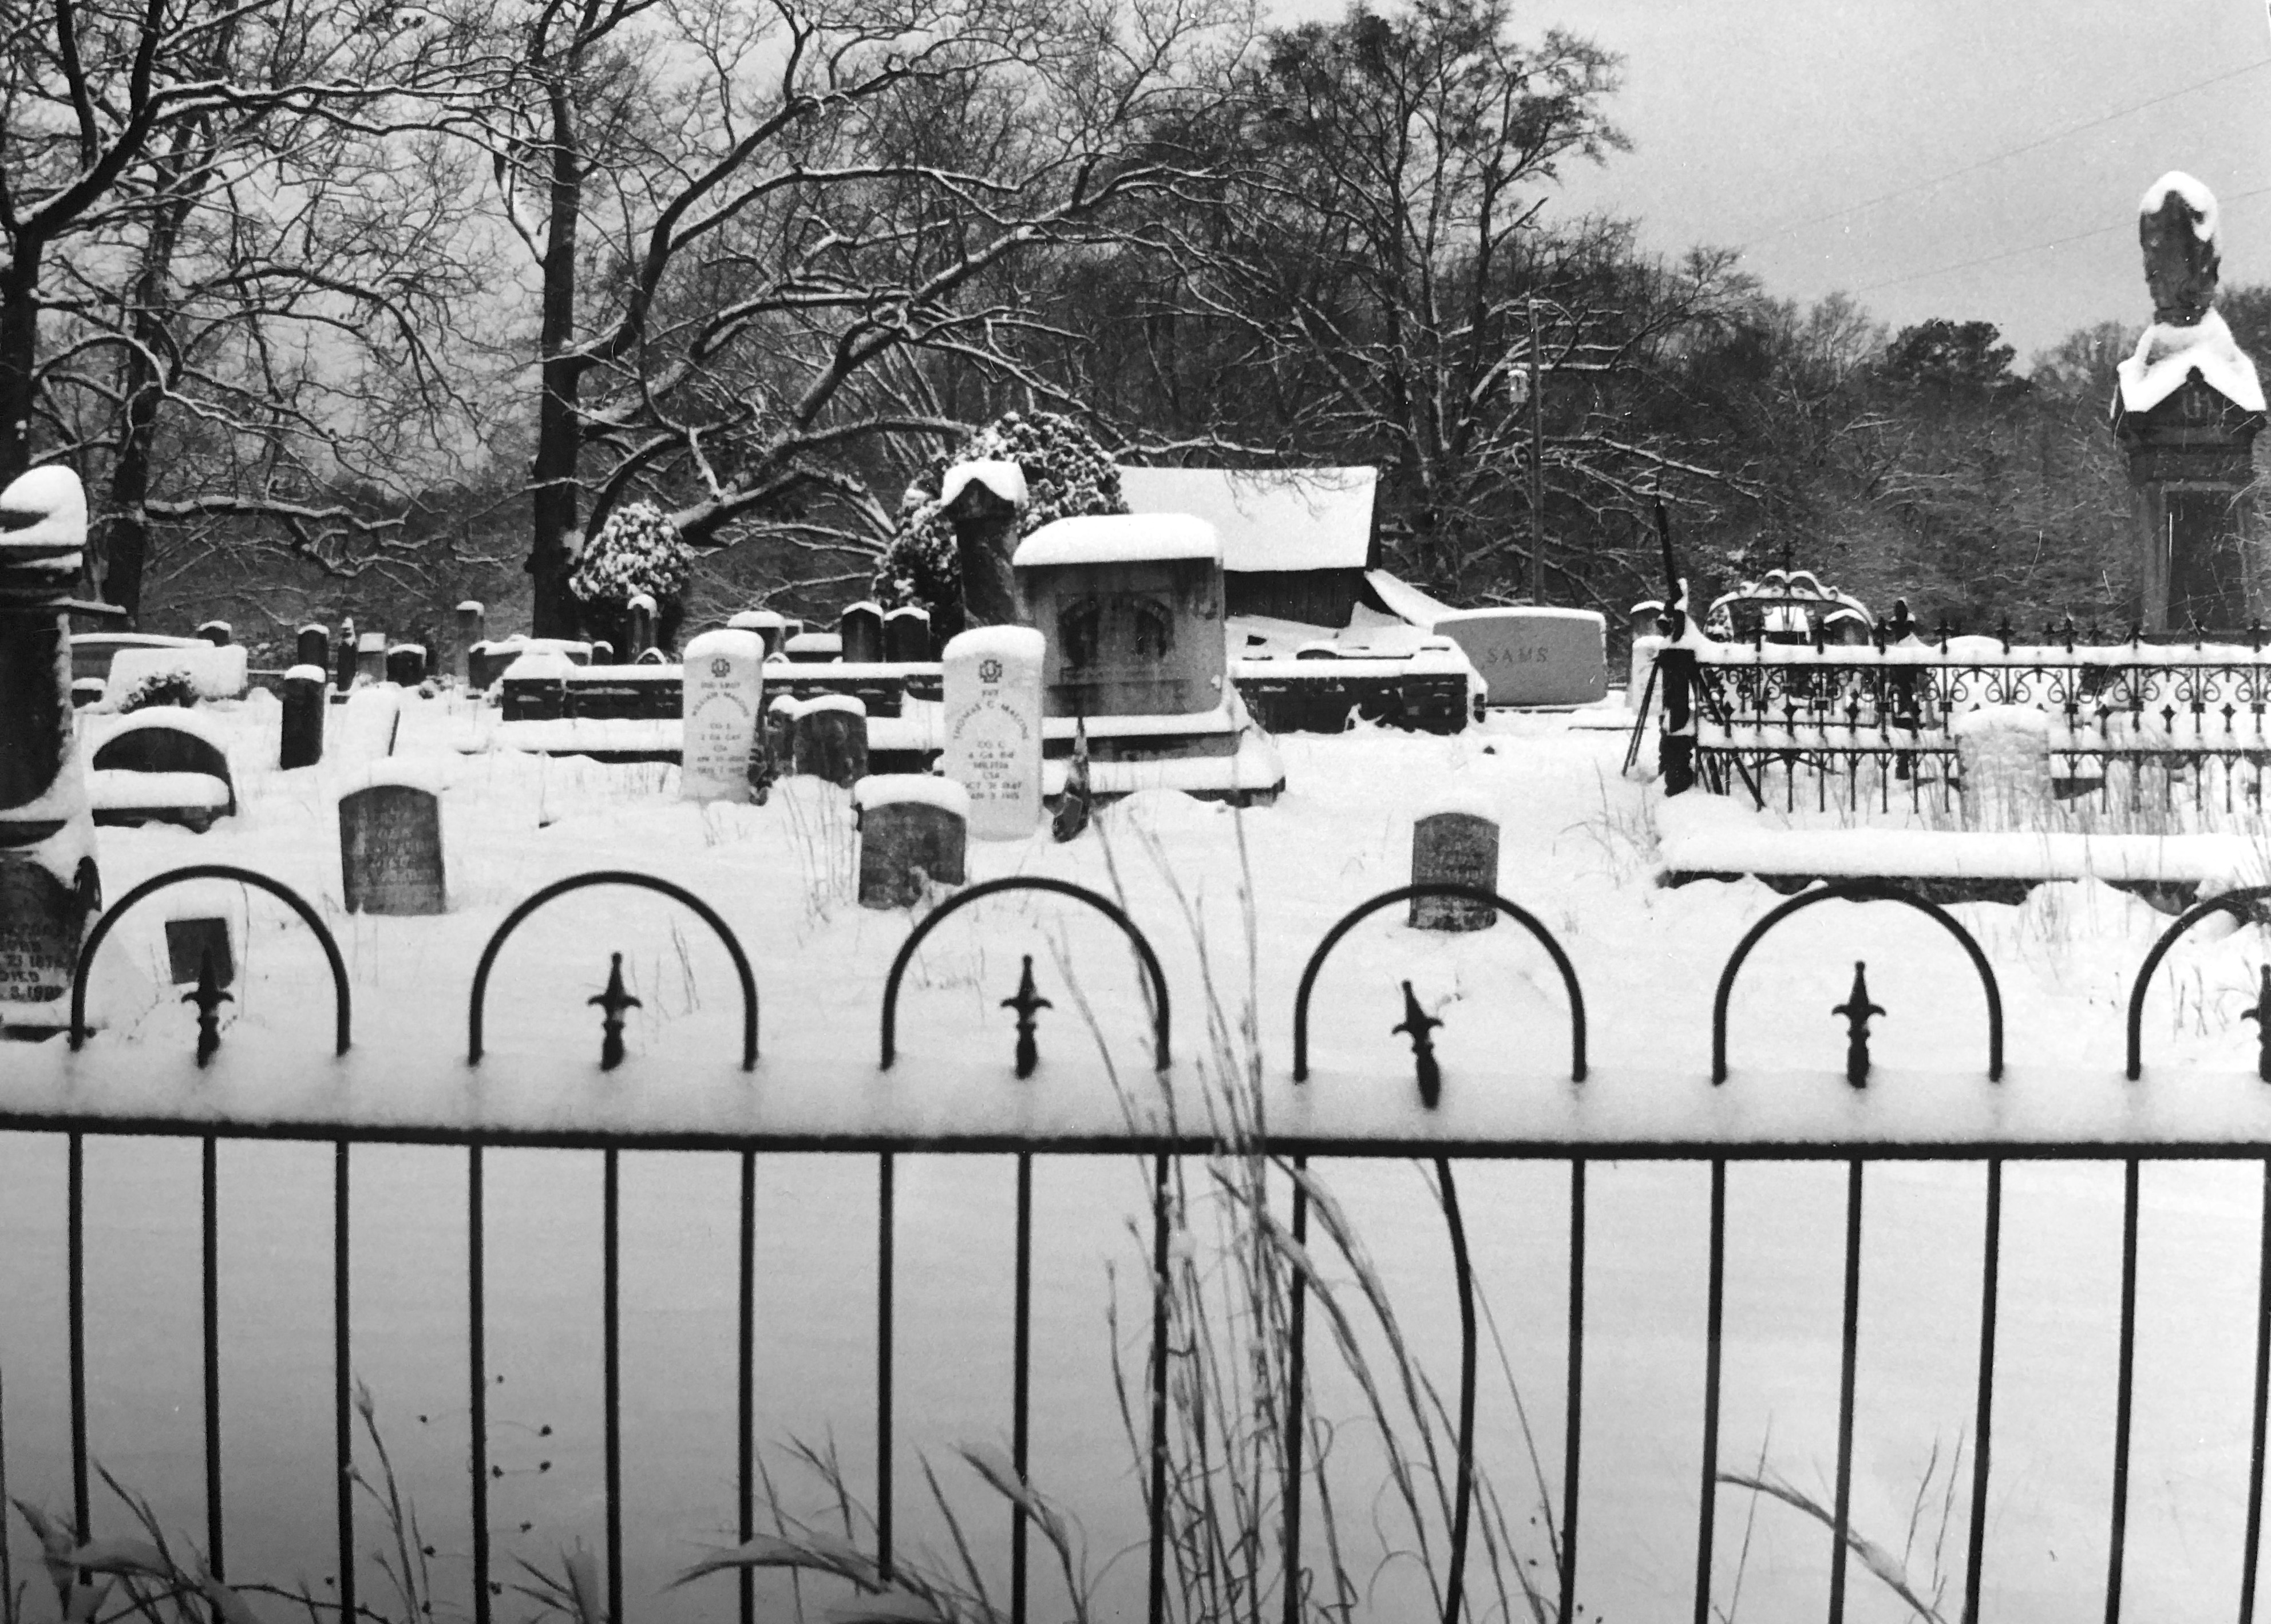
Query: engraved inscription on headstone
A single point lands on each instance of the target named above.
(390, 850)
(1530, 656)
(188, 941)
(722, 693)
(1458, 848)
(992, 680)
(39, 920)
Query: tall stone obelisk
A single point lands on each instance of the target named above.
(49, 884)
(2186, 411)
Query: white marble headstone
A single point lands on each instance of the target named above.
(993, 683)
(724, 691)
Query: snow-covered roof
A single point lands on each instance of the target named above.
(1302, 518)
(1118, 537)
(2167, 355)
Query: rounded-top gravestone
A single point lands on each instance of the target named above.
(992, 681)
(906, 634)
(832, 738)
(913, 836)
(391, 846)
(722, 695)
(1456, 843)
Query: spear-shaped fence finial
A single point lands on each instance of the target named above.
(1856, 1009)
(1028, 1002)
(612, 1004)
(2260, 1014)
(1418, 1023)
(208, 997)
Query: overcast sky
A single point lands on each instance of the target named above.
(1764, 124)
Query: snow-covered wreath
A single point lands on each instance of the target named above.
(1067, 474)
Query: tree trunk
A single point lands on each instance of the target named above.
(19, 355)
(559, 431)
(121, 549)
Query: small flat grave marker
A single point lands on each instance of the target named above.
(188, 941)
(390, 850)
(913, 835)
(1455, 846)
(994, 727)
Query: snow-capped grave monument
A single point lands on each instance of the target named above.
(300, 741)
(2187, 412)
(390, 844)
(1456, 843)
(165, 766)
(723, 693)
(49, 884)
(981, 501)
(994, 727)
(913, 835)
(832, 738)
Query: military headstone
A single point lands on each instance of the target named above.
(722, 695)
(188, 941)
(913, 836)
(992, 680)
(301, 743)
(906, 634)
(390, 849)
(832, 738)
(472, 627)
(1533, 656)
(313, 647)
(860, 627)
(1456, 845)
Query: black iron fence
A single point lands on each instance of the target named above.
(2128, 725)
(48, 1095)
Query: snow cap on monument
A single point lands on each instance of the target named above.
(44, 520)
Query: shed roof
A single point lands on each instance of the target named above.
(1285, 519)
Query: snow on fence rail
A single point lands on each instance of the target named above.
(906, 1101)
(2126, 724)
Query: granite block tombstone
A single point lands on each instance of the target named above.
(1454, 845)
(390, 850)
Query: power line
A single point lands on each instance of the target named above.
(2032, 247)
(1995, 158)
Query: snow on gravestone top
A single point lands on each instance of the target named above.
(213, 673)
(54, 503)
(1533, 656)
(1117, 538)
(723, 693)
(884, 789)
(993, 683)
(169, 741)
(390, 846)
(1005, 479)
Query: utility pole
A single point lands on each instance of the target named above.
(1536, 465)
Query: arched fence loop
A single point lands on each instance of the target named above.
(341, 1002)
(1439, 888)
(1111, 910)
(641, 882)
(2239, 904)
(1857, 890)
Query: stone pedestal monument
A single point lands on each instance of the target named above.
(49, 887)
(2187, 412)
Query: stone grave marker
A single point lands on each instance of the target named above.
(346, 649)
(832, 738)
(85, 692)
(188, 940)
(367, 725)
(767, 623)
(221, 634)
(913, 836)
(722, 697)
(313, 647)
(639, 622)
(651, 657)
(1533, 656)
(191, 784)
(906, 634)
(390, 849)
(1133, 607)
(779, 740)
(472, 628)
(814, 648)
(860, 628)
(41, 924)
(371, 657)
(603, 653)
(994, 727)
(1458, 844)
(301, 743)
(406, 665)
(2003, 754)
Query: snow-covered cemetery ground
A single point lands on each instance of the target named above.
(1235, 901)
